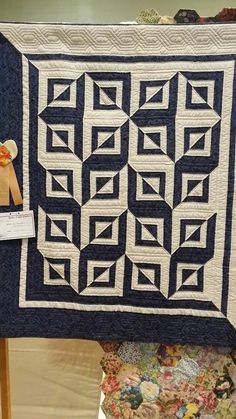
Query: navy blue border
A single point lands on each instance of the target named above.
(129, 59)
(68, 324)
(58, 323)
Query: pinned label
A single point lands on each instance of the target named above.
(17, 225)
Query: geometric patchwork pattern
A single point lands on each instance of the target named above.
(103, 278)
(140, 169)
(154, 94)
(146, 277)
(102, 229)
(61, 92)
(190, 277)
(57, 272)
(149, 232)
(151, 185)
(195, 187)
(61, 138)
(152, 140)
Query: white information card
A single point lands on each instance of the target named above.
(17, 225)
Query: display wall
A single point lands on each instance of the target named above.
(100, 11)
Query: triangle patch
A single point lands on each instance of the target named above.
(192, 184)
(153, 230)
(151, 186)
(101, 274)
(101, 227)
(61, 183)
(63, 96)
(197, 189)
(56, 231)
(199, 144)
(102, 137)
(104, 99)
(61, 225)
(108, 187)
(196, 235)
(190, 277)
(202, 91)
(61, 90)
(106, 234)
(109, 142)
(147, 275)
(57, 271)
(157, 97)
(58, 141)
(101, 182)
(149, 232)
(151, 92)
(152, 141)
(194, 138)
(110, 92)
(197, 97)
(147, 188)
(155, 137)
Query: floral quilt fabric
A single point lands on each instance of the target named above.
(152, 381)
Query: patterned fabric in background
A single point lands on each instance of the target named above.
(185, 16)
(152, 381)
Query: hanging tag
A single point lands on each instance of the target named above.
(17, 225)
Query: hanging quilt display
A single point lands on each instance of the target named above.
(126, 149)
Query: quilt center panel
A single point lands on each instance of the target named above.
(129, 177)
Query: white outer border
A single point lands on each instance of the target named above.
(211, 39)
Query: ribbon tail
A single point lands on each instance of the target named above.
(4, 187)
(14, 186)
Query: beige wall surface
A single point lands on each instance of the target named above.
(100, 11)
(55, 378)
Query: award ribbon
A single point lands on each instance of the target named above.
(8, 179)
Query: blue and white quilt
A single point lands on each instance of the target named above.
(126, 138)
